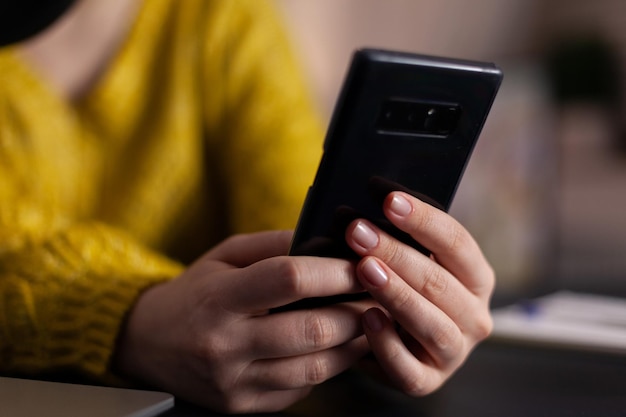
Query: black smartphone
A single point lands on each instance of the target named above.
(402, 122)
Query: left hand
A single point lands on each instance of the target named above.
(441, 302)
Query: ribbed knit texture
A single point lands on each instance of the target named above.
(200, 127)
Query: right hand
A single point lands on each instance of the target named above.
(208, 337)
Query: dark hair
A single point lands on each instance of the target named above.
(21, 19)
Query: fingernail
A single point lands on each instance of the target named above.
(373, 320)
(400, 206)
(364, 236)
(374, 273)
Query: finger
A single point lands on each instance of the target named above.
(300, 332)
(449, 242)
(278, 281)
(253, 401)
(307, 370)
(420, 272)
(274, 401)
(440, 336)
(402, 367)
(245, 249)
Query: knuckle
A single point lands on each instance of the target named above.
(435, 280)
(233, 239)
(484, 327)
(415, 386)
(212, 349)
(318, 332)
(489, 281)
(315, 371)
(222, 378)
(446, 339)
(403, 300)
(234, 404)
(227, 392)
(215, 347)
(394, 254)
(458, 239)
(290, 275)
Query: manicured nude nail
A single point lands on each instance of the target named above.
(364, 236)
(374, 273)
(400, 206)
(373, 320)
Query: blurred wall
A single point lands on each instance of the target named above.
(558, 19)
(592, 204)
(328, 30)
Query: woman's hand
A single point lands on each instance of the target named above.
(440, 302)
(208, 338)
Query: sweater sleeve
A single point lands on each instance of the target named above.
(64, 298)
(66, 282)
(270, 133)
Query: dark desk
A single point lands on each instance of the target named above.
(498, 380)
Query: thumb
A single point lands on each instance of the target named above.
(245, 249)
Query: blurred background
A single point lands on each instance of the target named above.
(545, 191)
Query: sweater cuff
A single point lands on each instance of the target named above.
(68, 300)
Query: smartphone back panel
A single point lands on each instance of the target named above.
(402, 122)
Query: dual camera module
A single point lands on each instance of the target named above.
(418, 118)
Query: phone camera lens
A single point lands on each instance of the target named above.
(418, 118)
(430, 121)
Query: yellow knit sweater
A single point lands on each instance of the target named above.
(200, 127)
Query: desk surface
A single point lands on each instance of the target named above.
(498, 380)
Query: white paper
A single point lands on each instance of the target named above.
(566, 319)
